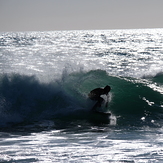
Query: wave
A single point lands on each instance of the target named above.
(17, 39)
(25, 99)
(158, 78)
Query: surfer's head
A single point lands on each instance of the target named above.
(107, 89)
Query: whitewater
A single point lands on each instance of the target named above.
(45, 113)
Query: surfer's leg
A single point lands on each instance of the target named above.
(95, 106)
(98, 103)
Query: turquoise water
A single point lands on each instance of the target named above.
(44, 110)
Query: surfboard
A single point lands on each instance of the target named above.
(102, 113)
(98, 117)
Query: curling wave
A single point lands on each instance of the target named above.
(25, 99)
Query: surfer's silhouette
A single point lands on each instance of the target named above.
(95, 95)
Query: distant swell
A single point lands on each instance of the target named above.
(24, 99)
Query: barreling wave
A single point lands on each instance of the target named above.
(25, 99)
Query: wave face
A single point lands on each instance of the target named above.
(24, 99)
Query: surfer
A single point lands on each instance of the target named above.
(95, 95)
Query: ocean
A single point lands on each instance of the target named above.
(45, 112)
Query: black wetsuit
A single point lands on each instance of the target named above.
(95, 95)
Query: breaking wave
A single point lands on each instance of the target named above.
(25, 99)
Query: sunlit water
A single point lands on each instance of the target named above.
(44, 81)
